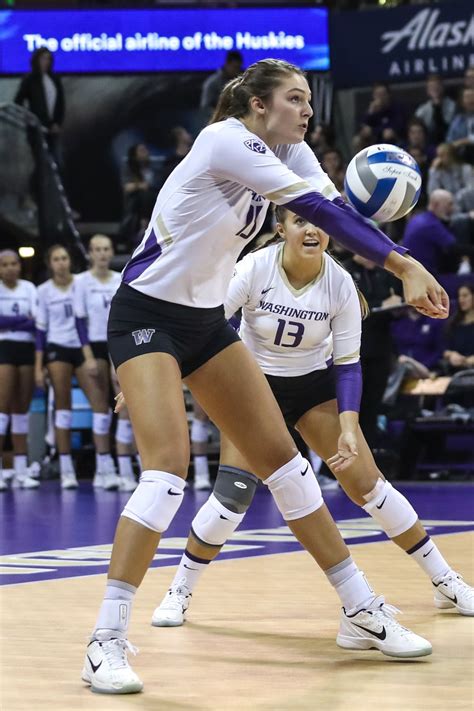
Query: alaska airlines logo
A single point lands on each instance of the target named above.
(424, 32)
(255, 146)
(143, 335)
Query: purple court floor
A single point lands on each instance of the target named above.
(51, 533)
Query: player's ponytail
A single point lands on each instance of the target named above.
(260, 79)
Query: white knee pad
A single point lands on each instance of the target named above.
(20, 424)
(4, 420)
(199, 431)
(156, 500)
(392, 511)
(295, 489)
(124, 432)
(62, 419)
(101, 423)
(214, 523)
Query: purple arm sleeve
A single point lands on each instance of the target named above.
(348, 387)
(40, 339)
(343, 223)
(81, 328)
(16, 323)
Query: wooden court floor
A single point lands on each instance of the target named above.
(260, 637)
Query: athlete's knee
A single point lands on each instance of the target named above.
(101, 422)
(156, 500)
(295, 489)
(392, 511)
(63, 419)
(124, 432)
(225, 509)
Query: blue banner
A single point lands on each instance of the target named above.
(402, 44)
(104, 41)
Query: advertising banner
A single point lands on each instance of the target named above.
(104, 41)
(402, 44)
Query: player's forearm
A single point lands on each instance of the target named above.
(349, 421)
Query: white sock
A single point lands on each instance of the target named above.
(428, 557)
(65, 464)
(102, 462)
(315, 460)
(189, 571)
(114, 613)
(350, 584)
(125, 465)
(20, 462)
(201, 466)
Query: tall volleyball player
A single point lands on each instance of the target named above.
(58, 350)
(17, 356)
(167, 323)
(93, 293)
(298, 305)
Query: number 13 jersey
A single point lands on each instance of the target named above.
(290, 331)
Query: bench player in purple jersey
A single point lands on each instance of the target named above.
(167, 324)
(301, 320)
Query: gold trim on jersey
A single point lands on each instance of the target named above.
(330, 188)
(345, 359)
(306, 287)
(288, 192)
(163, 231)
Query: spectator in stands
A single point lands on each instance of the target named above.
(461, 128)
(447, 173)
(469, 78)
(460, 339)
(321, 139)
(418, 342)
(428, 236)
(423, 164)
(42, 91)
(379, 288)
(214, 84)
(462, 223)
(384, 117)
(182, 142)
(417, 138)
(438, 112)
(334, 165)
(140, 185)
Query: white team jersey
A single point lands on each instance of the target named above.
(292, 331)
(20, 301)
(212, 204)
(92, 299)
(56, 314)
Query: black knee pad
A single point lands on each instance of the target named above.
(235, 488)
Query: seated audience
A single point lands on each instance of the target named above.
(333, 163)
(384, 116)
(461, 128)
(438, 112)
(460, 333)
(428, 236)
(447, 172)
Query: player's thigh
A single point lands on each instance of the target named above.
(60, 374)
(235, 394)
(153, 391)
(25, 383)
(320, 429)
(7, 386)
(230, 456)
(96, 387)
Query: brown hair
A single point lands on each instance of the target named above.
(260, 79)
(52, 249)
(281, 213)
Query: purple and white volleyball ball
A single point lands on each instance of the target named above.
(383, 182)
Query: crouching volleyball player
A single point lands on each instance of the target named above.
(277, 288)
(167, 324)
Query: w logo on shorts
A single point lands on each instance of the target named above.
(143, 335)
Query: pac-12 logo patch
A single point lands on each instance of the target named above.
(255, 146)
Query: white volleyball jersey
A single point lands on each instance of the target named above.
(20, 301)
(92, 299)
(292, 331)
(56, 314)
(212, 204)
